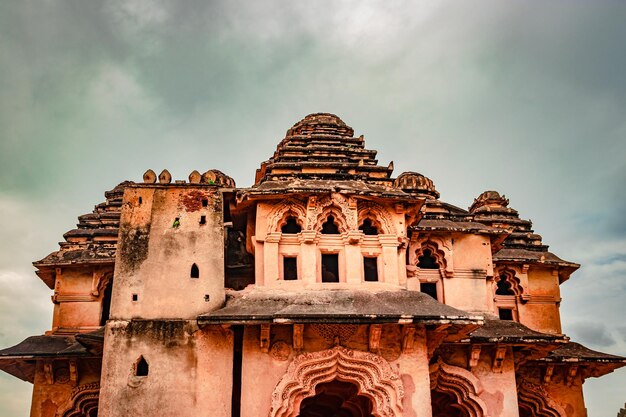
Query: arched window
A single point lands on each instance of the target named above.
(291, 226)
(141, 367)
(195, 271)
(368, 228)
(329, 227)
(504, 287)
(427, 260)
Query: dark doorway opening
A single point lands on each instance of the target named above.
(330, 268)
(290, 269)
(337, 399)
(429, 288)
(142, 368)
(370, 268)
(505, 313)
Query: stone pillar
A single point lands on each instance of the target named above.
(354, 259)
(308, 253)
(270, 258)
(390, 258)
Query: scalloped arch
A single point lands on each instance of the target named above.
(83, 402)
(372, 374)
(279, 214)
(462, 384)
(535, 399)
(341, 207)
(377, 213)
(512, 279)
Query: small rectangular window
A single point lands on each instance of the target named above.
(202, 219)
(429, 288)
(290, 269)
(370, 268)
(505, 313)
(135, 297)
(205, 203)
(330, 268)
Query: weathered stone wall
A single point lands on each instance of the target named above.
(190, 370)
(163, 232)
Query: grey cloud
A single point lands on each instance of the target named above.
(595, 334)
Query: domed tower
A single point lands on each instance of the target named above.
(326, 211)
(417, 185)
(526, 275)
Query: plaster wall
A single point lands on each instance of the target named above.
(190, 370)
(569, 397)
(541, 312)
(156, 252)
(499, 388)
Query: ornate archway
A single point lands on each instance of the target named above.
(534, 401)
(372, 375)
(458, 388)
(83, 401)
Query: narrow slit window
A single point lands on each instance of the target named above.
(370, 269)
(140, 200)
(427, 260)
(505, 314)
(290, 269)
(330, 268)
(291, 226)
(368, 228)
(142, 368)
(429, 288)
(329, 227)
(195, 271)
(202, 219)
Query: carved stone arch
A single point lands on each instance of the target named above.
(535, 400)
(344, 209)
(83, 401)
(340, 220)
(438, 246)
(372, 375)
(436, 252)
(281, 211)
(511, 278)
(462, 385)
(379, 216)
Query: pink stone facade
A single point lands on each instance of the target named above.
(329, 287)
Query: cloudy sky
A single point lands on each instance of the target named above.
(525, 98)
